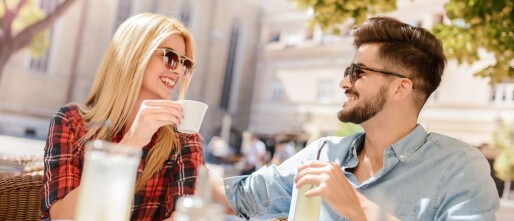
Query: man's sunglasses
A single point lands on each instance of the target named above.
(172, 58)
(355, 69)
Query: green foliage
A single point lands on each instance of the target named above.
(346, 129)
(475, 24)
(503, 140)
(331, 12)
(29, 14)
(480, 24)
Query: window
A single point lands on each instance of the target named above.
(276, 91)
(229, 68)
(275, 37)
(294, 39)
(325, 91)
(40, 63)
(502, 94)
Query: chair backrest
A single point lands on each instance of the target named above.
(20, 197)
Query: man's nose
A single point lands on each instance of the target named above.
(345, 83)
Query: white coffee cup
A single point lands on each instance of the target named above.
(194, 111)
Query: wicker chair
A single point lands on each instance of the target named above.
(20, 197)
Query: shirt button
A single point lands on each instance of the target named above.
(402, 157)
(227, 187)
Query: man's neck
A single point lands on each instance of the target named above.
(382, 134)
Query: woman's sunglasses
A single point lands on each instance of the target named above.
(355, 69)
(171, 60)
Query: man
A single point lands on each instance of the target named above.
(395, 170)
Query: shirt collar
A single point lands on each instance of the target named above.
(402, 149)
(356, 145)
(409, 144)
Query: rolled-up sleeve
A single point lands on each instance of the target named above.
(265, 194)
(62, 162)
(185, 171)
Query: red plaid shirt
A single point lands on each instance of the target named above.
(64, 159)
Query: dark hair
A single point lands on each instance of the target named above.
(410, 48)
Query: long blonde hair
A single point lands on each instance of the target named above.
(119, 78)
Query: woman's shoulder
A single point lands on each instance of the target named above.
(69, 112)
(71, 108)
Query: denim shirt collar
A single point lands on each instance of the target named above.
(408, 145)
(402, 149)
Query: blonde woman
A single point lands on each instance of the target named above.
(148, 58)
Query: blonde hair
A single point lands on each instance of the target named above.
(119, 78)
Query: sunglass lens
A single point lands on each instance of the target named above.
(171, 60)
(188, 64)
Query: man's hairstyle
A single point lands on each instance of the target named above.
(404, 47)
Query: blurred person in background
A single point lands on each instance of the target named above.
(148, 58)
(284, 149)
(254, 155)
(218, 150)
(395, 170)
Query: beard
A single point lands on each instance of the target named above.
(366, 109)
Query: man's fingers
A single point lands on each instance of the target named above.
(308, 179)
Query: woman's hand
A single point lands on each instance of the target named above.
(152, 115)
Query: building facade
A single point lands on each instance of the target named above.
(259, 68)
(226, 33)
(300, 69)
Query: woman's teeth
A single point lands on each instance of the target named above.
(168, 81)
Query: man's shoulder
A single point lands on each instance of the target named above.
(452, 145)
(444, 141)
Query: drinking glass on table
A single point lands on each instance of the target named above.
(107, 184)
(305, 208)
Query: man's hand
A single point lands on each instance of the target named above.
(332, 186)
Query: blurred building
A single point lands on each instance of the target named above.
(225, 31)
(300, 69)
(259, 67)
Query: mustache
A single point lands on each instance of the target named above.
(351, 92)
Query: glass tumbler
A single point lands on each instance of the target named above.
(107, 182)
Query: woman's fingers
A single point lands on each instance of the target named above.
(163, 103)
(168, 118)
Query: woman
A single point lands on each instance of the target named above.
(148, 57)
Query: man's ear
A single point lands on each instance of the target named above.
(404, 88)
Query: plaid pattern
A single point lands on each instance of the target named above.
(64, 159)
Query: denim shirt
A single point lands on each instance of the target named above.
(424, 177)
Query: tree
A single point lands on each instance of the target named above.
(474, 25)
(480, 24)
(503, 141)
(22, 24)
